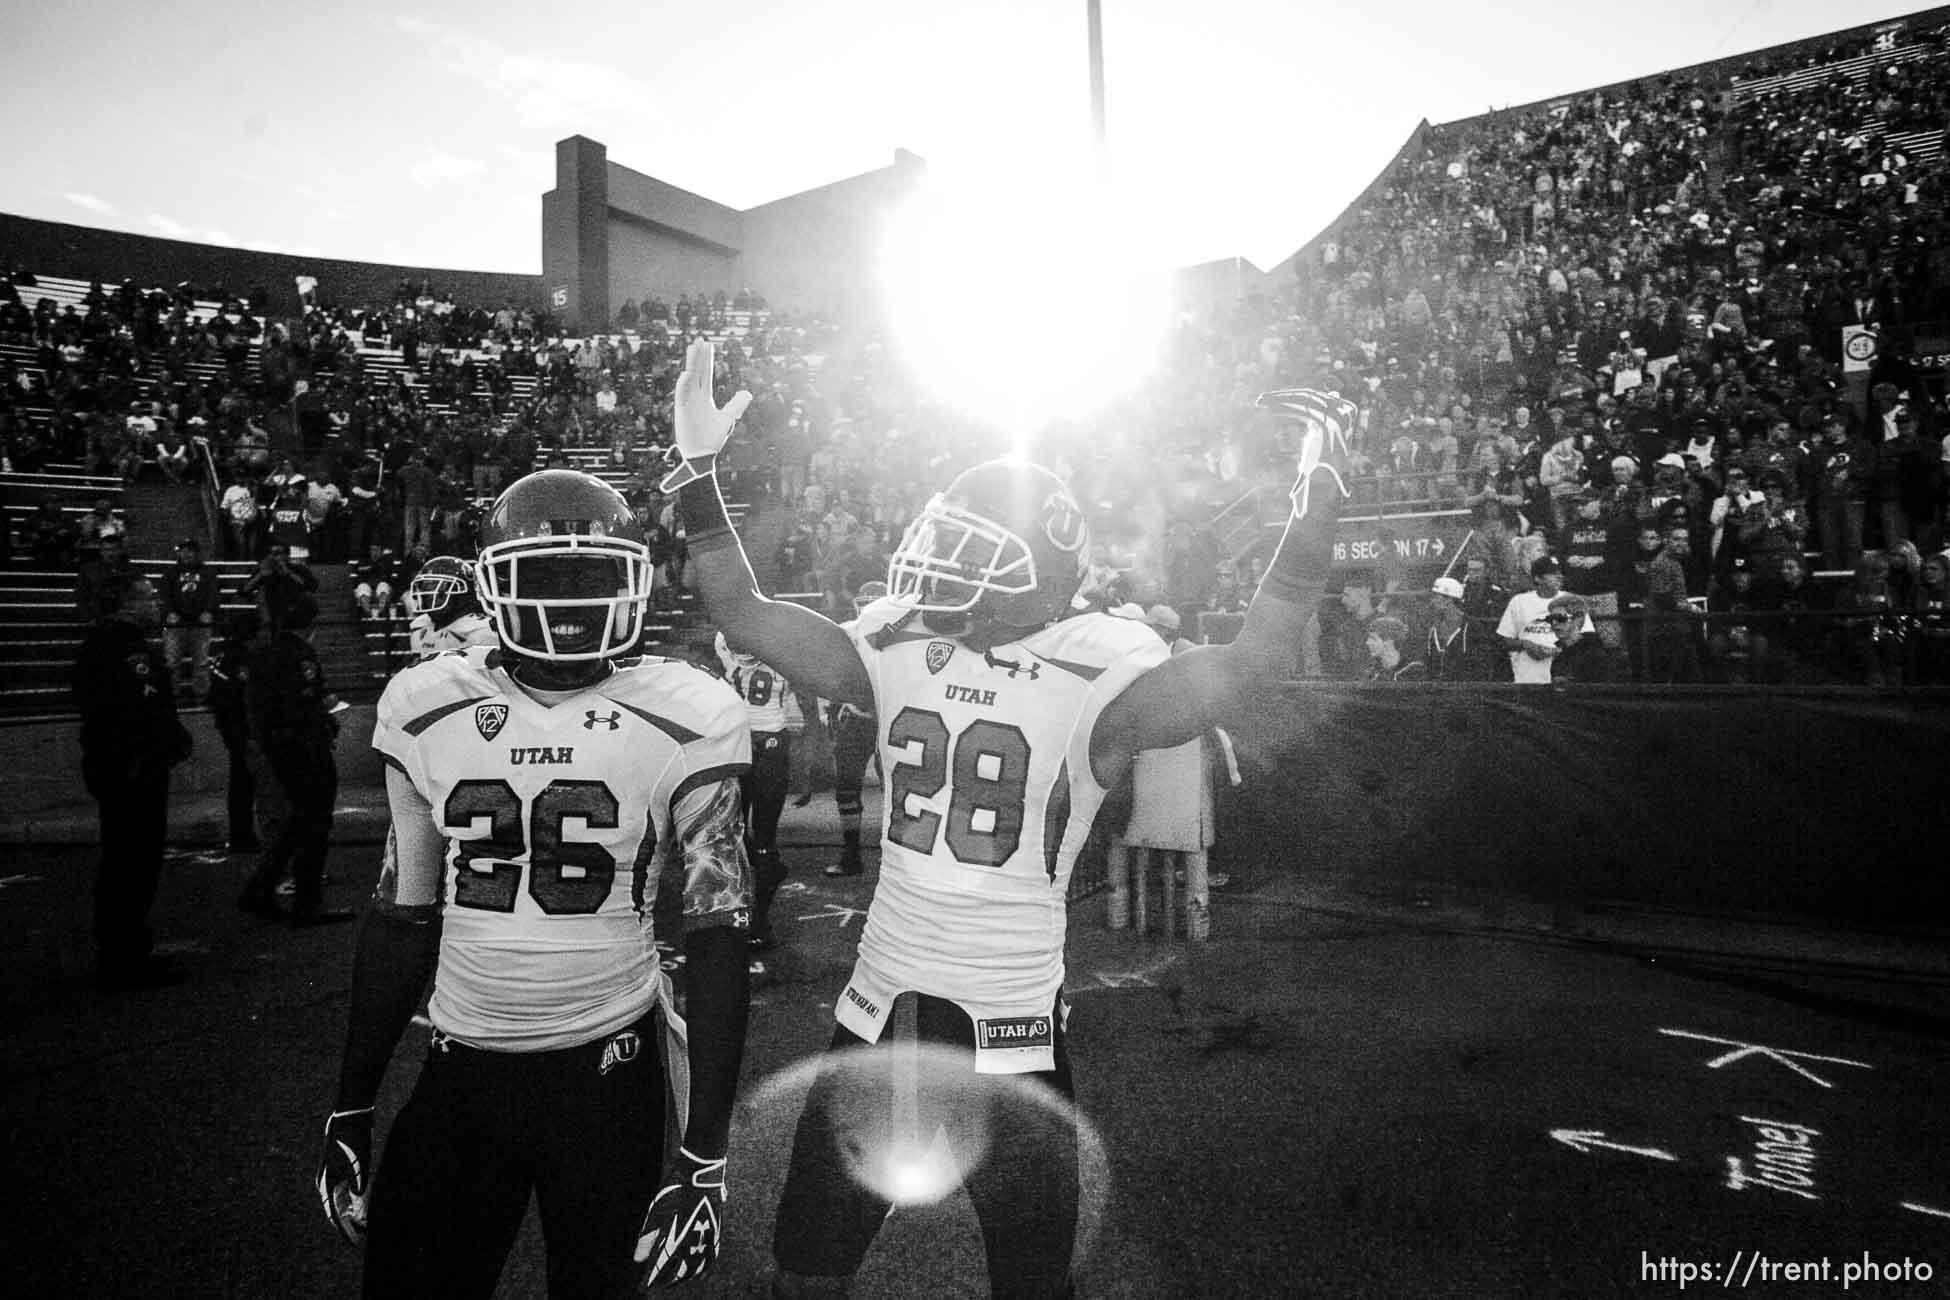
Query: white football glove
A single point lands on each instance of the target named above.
(703, 427)
(685, 1225)
(345, 1171)
(1328, 420)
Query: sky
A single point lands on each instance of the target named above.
(424, 135)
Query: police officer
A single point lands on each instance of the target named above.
(228, 670)
(293, 728)
(130, 738)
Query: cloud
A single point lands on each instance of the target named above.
(438, 165)
(96, 205)
(543, 91)
(170, 228)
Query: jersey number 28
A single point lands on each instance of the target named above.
(554, 891)
(987, 768)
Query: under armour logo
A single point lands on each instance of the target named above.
(592, 720)
(1033, 669)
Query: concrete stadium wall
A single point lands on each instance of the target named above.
(646, 261)
(820, 250)
(1823, 803)
(83, 253)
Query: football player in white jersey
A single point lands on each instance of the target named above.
(1002, 724)
(444, 611)
(537, 789)
(773, 714)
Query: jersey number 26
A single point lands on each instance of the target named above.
(554, 891)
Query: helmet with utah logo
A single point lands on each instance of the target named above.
(564, 571)
(1005, 542)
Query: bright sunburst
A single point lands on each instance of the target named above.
(1020, 300)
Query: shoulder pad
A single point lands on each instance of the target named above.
(883, 620)
(676, 690)
(1095, 641)
(434, 685)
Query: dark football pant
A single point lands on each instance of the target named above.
(1024, 1191)
(853, 741)
(765, 788)
(134, 824)
(484, 1129)
(308, 778)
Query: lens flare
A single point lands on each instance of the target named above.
(913, 1122)
(1021, 299)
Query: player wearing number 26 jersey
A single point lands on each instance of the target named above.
(537, 789)
(1001, 722)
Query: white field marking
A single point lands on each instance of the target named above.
(795, 887)
(835, 912)
(1584, 1141)
(6, 881)
(1143, 978)
(1926, 1209)
(1779, 1055)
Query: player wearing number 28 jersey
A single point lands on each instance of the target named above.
(537, 789)
(1002, 720)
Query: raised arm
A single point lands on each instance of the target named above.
(1210, 685)
(802, 645)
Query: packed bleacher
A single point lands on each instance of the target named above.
(1608, 330)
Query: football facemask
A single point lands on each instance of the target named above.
(567, 599)
(949, 558)
(440, 582)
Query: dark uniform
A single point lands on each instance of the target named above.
(130, 738)
(228, 710)
(285, 701)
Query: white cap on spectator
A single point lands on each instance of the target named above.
(1448, 587)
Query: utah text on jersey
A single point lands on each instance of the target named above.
(990, 796)
(556, 833)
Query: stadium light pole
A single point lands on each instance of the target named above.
(1099, 137)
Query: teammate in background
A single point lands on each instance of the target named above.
(774, 716)
(535, 789)
(445, 613)
(1002, 723)
(853, 729)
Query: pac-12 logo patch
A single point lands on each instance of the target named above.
(939, 653)
(489, 719)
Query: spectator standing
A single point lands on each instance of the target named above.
(109, 562)
(1581, 655)
(1457, 651)
(1524, 630)
(419, 487)
(240, 514)
(130, 738)
(323, 517)
(854, 733)
(189, 600)
(1672, 624)
(291, 723)
(1843, 467)
(1387, 659)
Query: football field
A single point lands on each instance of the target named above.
(1317, 1103)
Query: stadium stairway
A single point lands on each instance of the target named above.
(160, 514)
(41, 630)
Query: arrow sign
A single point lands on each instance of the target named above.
(1437, 547)
(1585, 1141)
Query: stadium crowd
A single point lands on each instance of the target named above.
(1609, 329)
